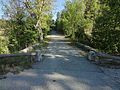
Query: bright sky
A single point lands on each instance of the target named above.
(59, 6)
(1, 13)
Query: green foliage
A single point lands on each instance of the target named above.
(71, 23)
(3, 38)
(77, 19)
(27, 22)
(3, 45)
(92, 22)
(40, 10)
(22, 35)
(107, 28)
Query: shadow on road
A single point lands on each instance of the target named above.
(63, 68)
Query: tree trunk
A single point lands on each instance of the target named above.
(39, 29)
(40, 34)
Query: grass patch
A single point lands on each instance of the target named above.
(14, 64)
(17, 64)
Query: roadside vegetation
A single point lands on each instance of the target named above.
(24, 23)
(92, 22)
(28, 22)
(15, 64)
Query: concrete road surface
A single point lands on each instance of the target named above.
(63, 68)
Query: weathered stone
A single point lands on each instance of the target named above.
(38, 55)
(92, 55)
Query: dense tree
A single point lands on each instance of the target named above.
(20, 31)
(92, 22)
(40, 9)
(107, 28)
(73, 18)
(3, 37)
(77, 19)
(28, 20)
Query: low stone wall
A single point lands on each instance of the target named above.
(98, 57)
(88, 48)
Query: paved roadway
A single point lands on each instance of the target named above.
(62, 68)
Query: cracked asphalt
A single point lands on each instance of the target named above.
(63, 68)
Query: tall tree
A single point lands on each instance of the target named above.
(93, 22)
(28, 20)
(107, 28)
(73, 17)
(41, 10)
